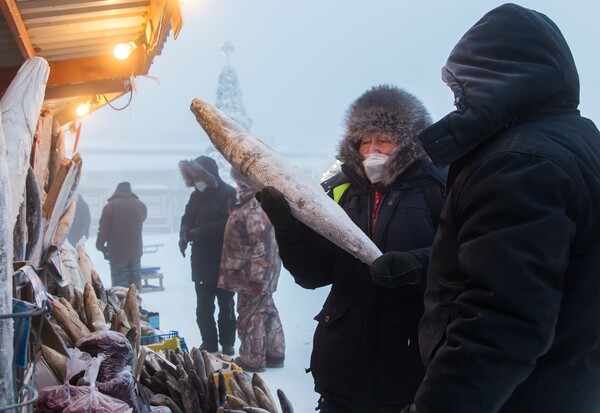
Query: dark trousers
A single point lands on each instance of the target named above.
(205, 316)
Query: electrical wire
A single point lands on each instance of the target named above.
(124, 107)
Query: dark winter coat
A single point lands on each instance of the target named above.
(513, 297)
(365, 350)
(120, 226)
(206, 212)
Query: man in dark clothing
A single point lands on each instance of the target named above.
(120, 235)
(81, 222)
(513, 291)
(203, 224)
(365, 353)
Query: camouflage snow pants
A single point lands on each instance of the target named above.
(123, 274)
(259, 329)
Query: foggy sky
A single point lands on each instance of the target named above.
(300, 64)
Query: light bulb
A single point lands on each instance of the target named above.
(83, 109)
(123, 50)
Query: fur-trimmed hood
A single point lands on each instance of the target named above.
(395, 113)
(202, 168)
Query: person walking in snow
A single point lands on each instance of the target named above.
(365, 354)
(250, 266)
(120, 236)
(513, 292)
(203, 225)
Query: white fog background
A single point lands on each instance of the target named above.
(300, 65)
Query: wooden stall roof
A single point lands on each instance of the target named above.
(77, 38)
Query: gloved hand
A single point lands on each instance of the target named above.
(103, 250)
(396, 268)
(194, 234)
(183, 245)
(257, 288)
(276, 207)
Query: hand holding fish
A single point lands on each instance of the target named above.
(276, 207)
(396, 268)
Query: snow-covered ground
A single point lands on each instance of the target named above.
(177, 308)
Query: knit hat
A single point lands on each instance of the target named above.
(123, 187)
(395, 113)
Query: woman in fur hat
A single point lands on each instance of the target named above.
(366, 353)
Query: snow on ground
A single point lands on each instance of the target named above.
(177, 308)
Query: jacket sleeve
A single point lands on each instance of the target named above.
(513, 235)
(257, 228)
(104, 227)
(306, 255)
(187, 220)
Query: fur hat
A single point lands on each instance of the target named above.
(393, 112)
(202, 168)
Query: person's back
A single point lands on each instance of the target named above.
(250, 266)
(513, 292)
(120, 234)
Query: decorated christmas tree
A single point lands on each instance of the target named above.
(229, 100)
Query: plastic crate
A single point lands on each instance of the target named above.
(170, 340)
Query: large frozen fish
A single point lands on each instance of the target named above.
(265, 167)
(20, 106)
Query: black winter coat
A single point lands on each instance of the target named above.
(365, 350)
(513, 292)
(207, 213)
(120, 228)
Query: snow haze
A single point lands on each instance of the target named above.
(300, 64)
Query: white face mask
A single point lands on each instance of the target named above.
(201, 186)
(374, 164)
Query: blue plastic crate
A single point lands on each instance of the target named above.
(159, 338)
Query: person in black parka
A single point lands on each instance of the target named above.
(120, 236)
(513, 291)
(203, 224)
(365, 353)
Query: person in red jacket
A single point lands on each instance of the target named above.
(120, 235)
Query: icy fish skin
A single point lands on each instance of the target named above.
(265, 167)
(20, 107)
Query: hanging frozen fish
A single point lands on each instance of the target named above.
(20, 106)
(265, 167)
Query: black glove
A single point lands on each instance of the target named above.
(276, 207)
(396, 268)
(183, 245)
(104, 250)
(193, 234)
